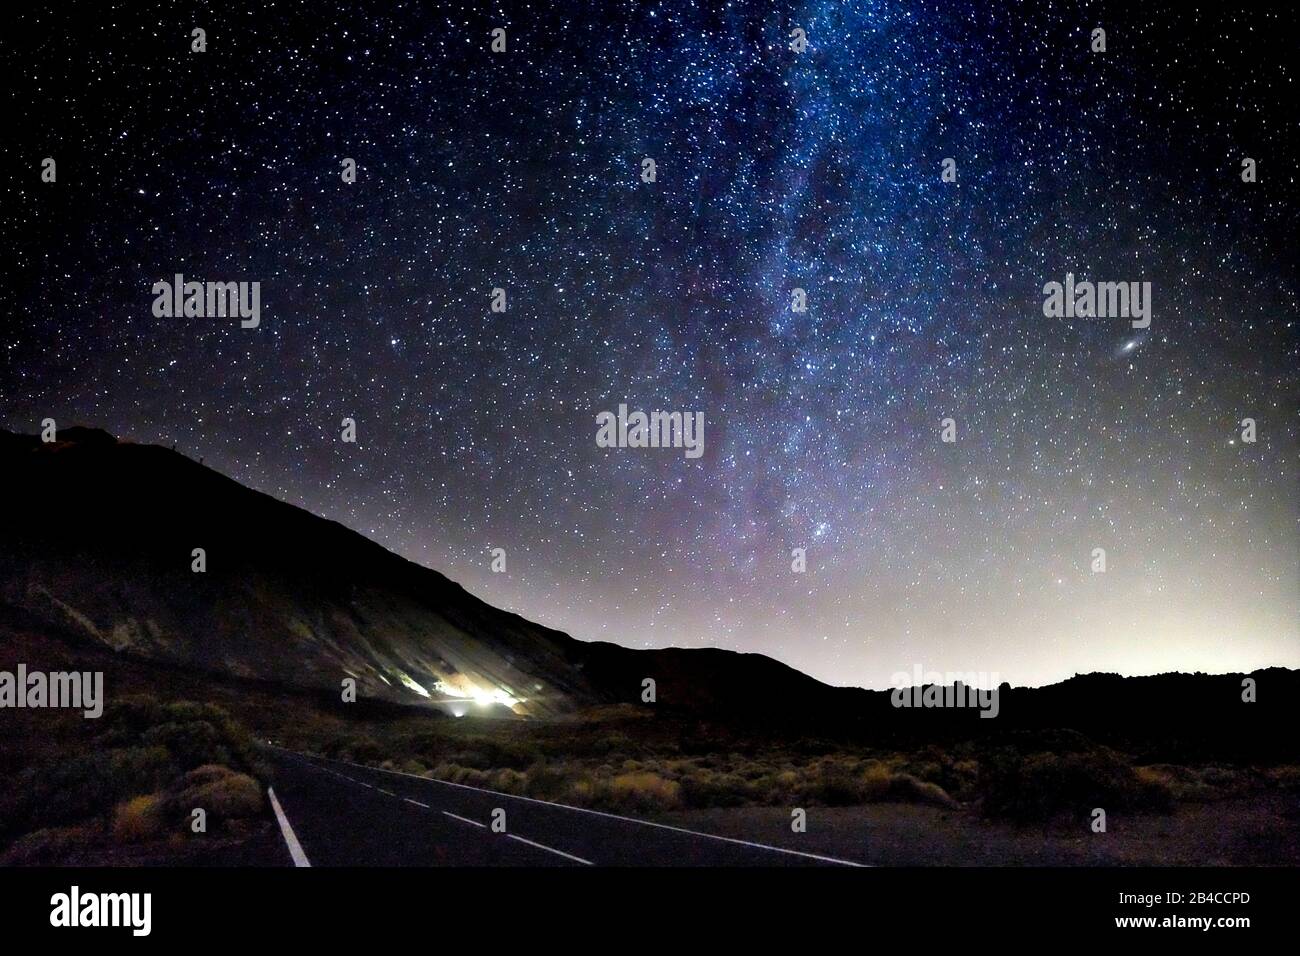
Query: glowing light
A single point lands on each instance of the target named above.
(483, 696)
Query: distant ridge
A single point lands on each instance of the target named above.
(96, 541)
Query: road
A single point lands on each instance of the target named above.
(334, 813)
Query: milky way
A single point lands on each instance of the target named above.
(776, 170)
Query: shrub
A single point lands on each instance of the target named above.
(455, 773)
(139, 819)
(882, 785)
(836, 786)
(192, 733)
(139, 751)
(137, 770)
(1037, 786)
(612, 743)
(644, 791)
(359, 749)
(1182, 783)
(546, 781)
(582, 791)
(49, 845)
(224, 794)
(1285, 778)
(509, 781)
(706, 789)
(1226, 781)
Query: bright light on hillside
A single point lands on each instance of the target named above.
(485, 696)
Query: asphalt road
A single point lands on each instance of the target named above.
(343, 814)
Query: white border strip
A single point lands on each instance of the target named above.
(550, 849)
(473, 823)
(290, 840)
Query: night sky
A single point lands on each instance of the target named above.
(776, 170)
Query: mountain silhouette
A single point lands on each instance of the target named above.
(97, 544)
(101, 543)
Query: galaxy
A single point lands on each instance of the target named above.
(837, 260)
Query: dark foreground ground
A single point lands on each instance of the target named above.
(345, 814)
(1257, 831)
(121, 790)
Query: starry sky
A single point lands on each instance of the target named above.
(776, 170)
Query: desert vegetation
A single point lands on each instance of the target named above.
(622, 763)
(134, 780)
(119, 789)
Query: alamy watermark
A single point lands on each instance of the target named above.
(133, 911)
(199, 300)
(651, 430)
(1102, 300)
(58, 689)
(950, 689)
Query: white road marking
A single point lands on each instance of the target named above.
(416, 802)
(290, 840)
(596, 813)
(540, 846)
(473, 823)
(549, 849)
